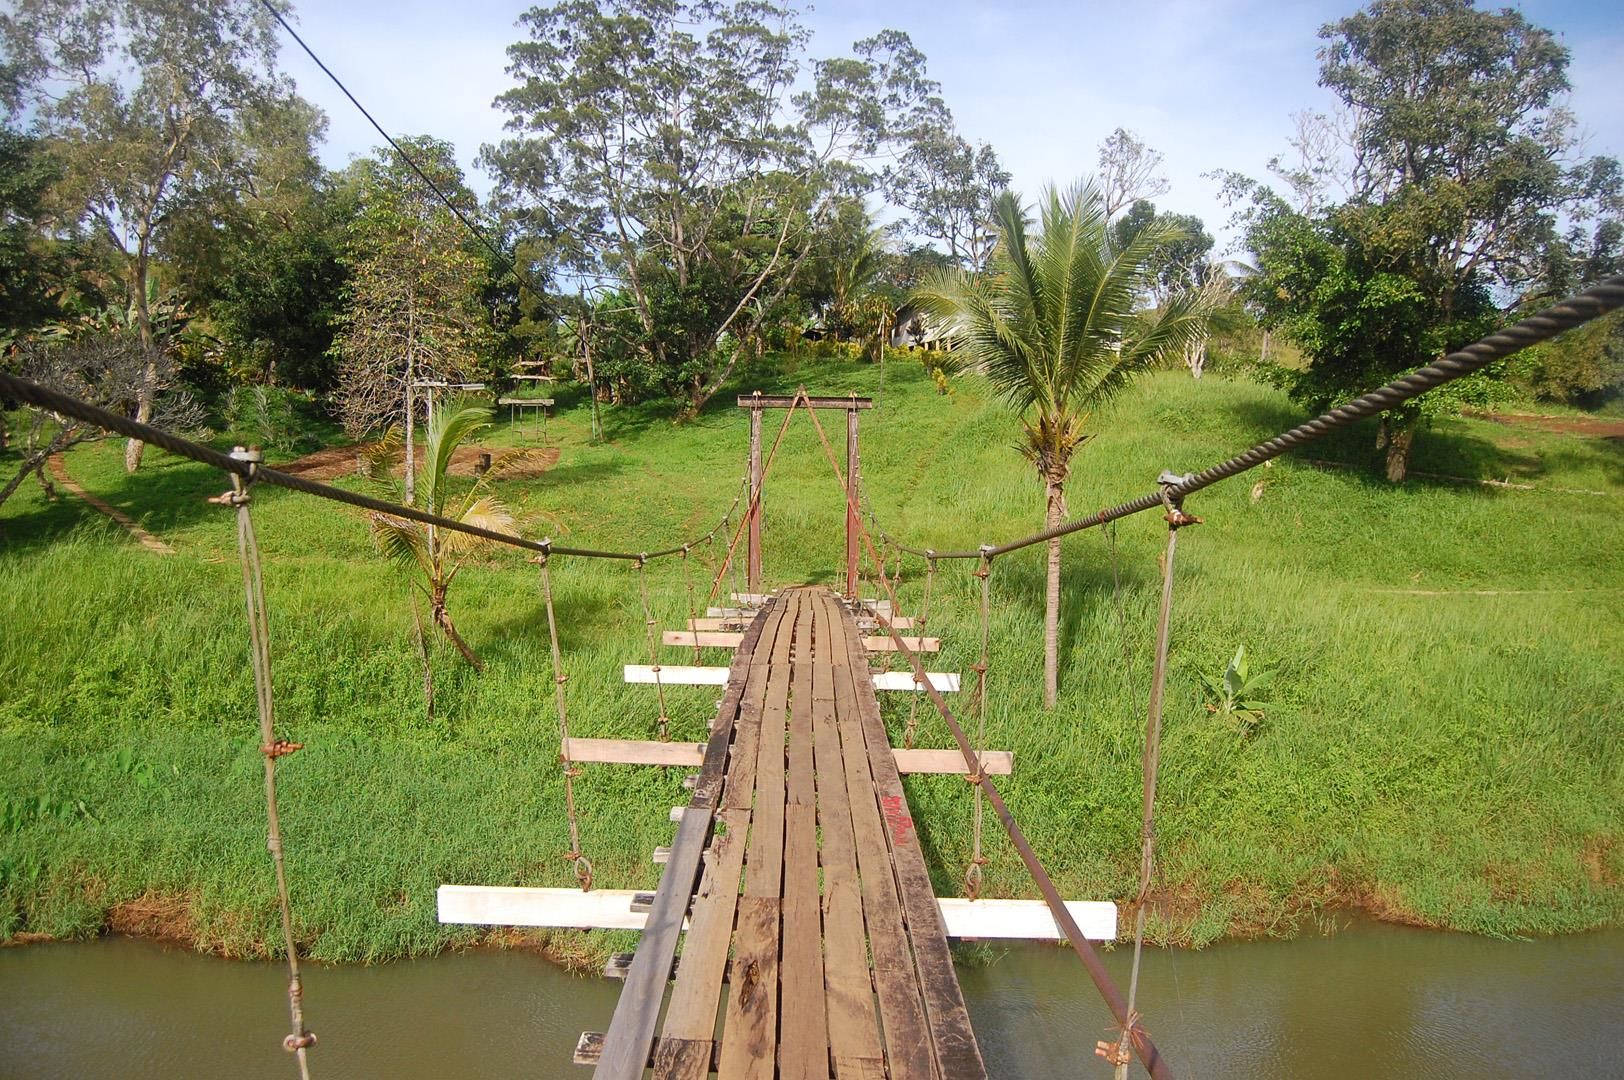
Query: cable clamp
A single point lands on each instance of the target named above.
(280, 748)
(301, 1041)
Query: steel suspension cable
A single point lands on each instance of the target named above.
(582, 866)
(1592, 303)
(41, 397)
(299, 1039)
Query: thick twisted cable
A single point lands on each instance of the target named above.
(1594, 302)
(40, 397)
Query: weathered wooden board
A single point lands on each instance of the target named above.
(686, 754)
(689, 675)
(952, 1041)
(946, 682)
(889, 644)
(629, 1041)
(702, 639)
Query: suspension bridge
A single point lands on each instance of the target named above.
(811, 942)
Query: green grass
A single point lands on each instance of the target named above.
(1433, 753)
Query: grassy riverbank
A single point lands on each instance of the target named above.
(1443, 747)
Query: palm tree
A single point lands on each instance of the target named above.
(439, 553)
(1056, 328)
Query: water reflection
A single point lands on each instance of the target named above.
(1372, 1002)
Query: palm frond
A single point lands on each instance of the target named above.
(406, 542)
(486, 512)
(452, 424)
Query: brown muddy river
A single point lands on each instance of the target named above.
(1372, 1001)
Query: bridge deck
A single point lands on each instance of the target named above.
(814, 905)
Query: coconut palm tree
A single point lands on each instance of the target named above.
(439, 553)
(1057, 327)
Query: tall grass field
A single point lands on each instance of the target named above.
(1442, 741)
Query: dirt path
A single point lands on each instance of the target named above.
(1596, 427)
(59, 473)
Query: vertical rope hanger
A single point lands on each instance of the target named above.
(298, 1040)
(688, 583)
(972, 873)
(653, 647)
(1176, 519)
(924, 619)
(583, 866)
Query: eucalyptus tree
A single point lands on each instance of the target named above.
(947, 186)
(412, 311)
(141, 101)
(666, 145)
(1057, 330)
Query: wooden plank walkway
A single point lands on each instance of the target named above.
(797, 863)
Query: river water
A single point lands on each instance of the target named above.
(1372, 1001)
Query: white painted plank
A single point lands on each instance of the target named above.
(483, 905)
(755, 599)
(677, 675)
(730, 612)
(690, 755)
(1024, 919)
(610, 909)
(946, 682)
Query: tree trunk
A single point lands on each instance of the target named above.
(149, 350)
(1051, 607)
(442, 619)
(1400, 438)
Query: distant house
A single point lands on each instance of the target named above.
(911, 328)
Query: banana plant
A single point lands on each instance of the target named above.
(437, 554)
(1234, 694)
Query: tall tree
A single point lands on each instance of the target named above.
(1057, 330)
(947, 188)
(30, 268)
(412, 309)
(1129, 170)
(140, 98)
(665, 143)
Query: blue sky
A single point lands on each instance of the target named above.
(1210, 83)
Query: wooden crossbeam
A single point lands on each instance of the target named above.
(722, 639)
(687, 754)
(784, 401)
(691, 675)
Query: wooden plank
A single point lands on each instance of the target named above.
(491, 905)
(946, 682)
(889, 644)
(686, 754)
(803, 1040)
(686, 675)
(952, 1039)
(589, 1050)
(994, 762)
(1024, 920)
(736, 623)
(630, 1038)
(731, 613)
(641, 752)
(854, 1034)
(691, 1017)
(750, 1033)
(907, 1041)
(741, 776)
(702, 639)
(750, 599)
